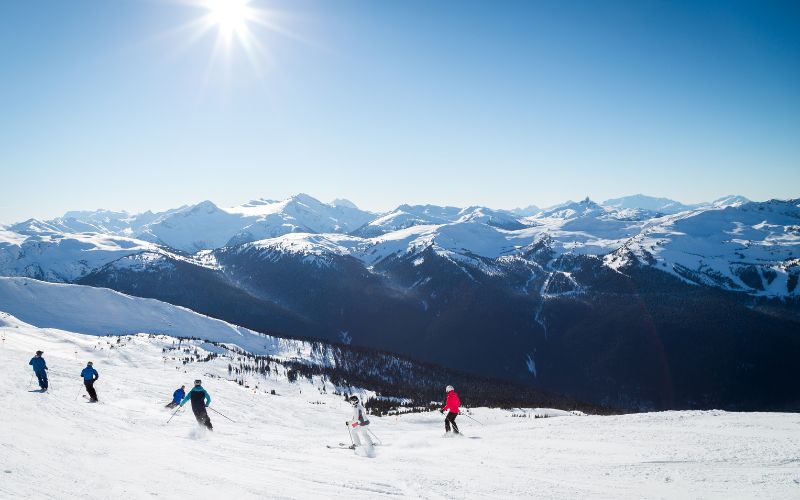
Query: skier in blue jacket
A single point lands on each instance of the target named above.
(90, 375)
(177, 397)
(40, 369)
(200, 400)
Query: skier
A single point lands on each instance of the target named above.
(358, 425)
(40, 369)
(90, 376)
(450, 410)
(200, 400)
(177, 397)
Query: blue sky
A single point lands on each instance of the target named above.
(109, 103)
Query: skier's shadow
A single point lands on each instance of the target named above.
(36, 390)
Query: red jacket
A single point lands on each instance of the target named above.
(452, 402)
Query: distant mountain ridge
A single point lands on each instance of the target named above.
(668, 206)
(206, 226)
(623, 230)
(744, 246)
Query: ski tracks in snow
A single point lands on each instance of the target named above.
(55, 445)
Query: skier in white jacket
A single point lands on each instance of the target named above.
(358, 425)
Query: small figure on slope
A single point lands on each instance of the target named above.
(177, 397)
(450, 410)
(90, 376)
(358, 425)
(40, 369)
(200, 400)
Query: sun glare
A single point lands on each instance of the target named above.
(238, 27)
(230, 16)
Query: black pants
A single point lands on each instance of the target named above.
(202, 417)
(451, 420)
(90, 389)
(41, 375)
(171, 404)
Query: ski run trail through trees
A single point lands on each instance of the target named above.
(56, 445)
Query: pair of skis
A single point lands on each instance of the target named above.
(352, 446)
(342, 446)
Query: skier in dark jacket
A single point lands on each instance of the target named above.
(177, 397)
(40, 369)
(200, 400)
(90, 375)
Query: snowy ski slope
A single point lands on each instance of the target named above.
(56, 445)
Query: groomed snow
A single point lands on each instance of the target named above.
(56, 445)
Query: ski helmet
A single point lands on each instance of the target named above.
(39, 353)
(197, 382)
(89, 363)
(449, 388)
(354, 399)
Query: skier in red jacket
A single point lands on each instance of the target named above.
(450, 410)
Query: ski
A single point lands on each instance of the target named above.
(342, 446)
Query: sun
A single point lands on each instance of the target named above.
(237, 27)
(230, 16)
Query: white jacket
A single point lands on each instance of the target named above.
(360, 414)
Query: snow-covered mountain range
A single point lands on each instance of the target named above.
(561, 291)
(207, 226)
(730, 243)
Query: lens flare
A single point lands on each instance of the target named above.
(239, 28)
(230, 16)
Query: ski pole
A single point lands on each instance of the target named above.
(218, 413)
(78, 393)
(350, 433)
(29, 382)
(471, 418)
(373, 435)
(174, 413)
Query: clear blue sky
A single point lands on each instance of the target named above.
(107, 103)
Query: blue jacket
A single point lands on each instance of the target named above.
(178, 396)
(89, 373)
(38, 364)
(197, 388)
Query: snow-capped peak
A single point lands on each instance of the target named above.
(33, 226)
(259, 202)
(206, 206)
(651, 203)
(732, 200)
(572, 209)
(343, 202)
(526, 211)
